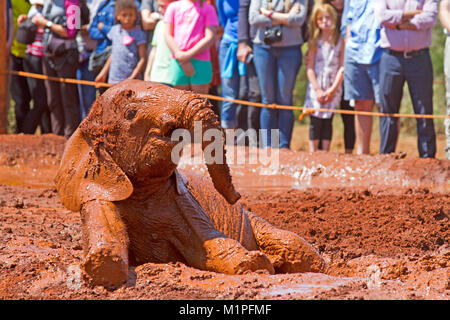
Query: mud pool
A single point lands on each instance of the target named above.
(380, 222)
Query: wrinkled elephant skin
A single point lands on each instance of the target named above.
(136, 207)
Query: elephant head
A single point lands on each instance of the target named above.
(125, 142)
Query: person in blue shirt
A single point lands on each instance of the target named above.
(86, 46)
(361, 65)
(101, 24)
(230, 68)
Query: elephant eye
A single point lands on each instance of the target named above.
(130, 114)
(168, 129)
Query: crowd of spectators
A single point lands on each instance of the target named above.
(359, 54)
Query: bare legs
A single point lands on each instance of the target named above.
(363, 126)
(314, 145)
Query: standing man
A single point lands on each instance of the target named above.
(444, 16)
(406, 38)
(361, 66)
(19, 89)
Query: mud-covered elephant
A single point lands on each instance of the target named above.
(136, 207)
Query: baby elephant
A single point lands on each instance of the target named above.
(136, 207)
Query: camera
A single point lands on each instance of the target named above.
(272, 35)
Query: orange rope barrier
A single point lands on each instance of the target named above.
(306, 111)
(44, 77)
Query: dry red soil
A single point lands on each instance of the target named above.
(380, 222)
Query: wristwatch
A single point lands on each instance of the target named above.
(49, 24)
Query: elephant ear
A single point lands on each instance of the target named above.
(86, 174)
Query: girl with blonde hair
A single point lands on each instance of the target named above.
(325, 72)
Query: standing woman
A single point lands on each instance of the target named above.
(277, 60)
(32, 62)
(60, 22)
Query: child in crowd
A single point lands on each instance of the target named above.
(325, 73)
(347, 119)
(128, 52)
(190, 32)
(160, 55)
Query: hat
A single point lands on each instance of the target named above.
(33, 2)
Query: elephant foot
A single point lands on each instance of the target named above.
(288, 252)
(103, 267)
(228, 256)
(292, 254)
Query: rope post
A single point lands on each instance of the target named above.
(3, 69)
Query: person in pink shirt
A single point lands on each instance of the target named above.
(190, 32)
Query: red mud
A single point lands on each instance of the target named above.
(381, 222)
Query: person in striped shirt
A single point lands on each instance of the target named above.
(32, 62)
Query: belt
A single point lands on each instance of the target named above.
(408, 54)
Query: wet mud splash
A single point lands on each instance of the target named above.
(381, 222)
(301, 170)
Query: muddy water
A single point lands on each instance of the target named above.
(32, 161)
(301, 170)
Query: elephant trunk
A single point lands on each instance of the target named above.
(199, 109)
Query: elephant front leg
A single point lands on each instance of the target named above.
(206, 248)
(105, 243)
(288, 252)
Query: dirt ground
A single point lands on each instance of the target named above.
(380, 222)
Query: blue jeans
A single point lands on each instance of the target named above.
(87, 93)
(277, 69)
(230, 90)
(418, 73)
